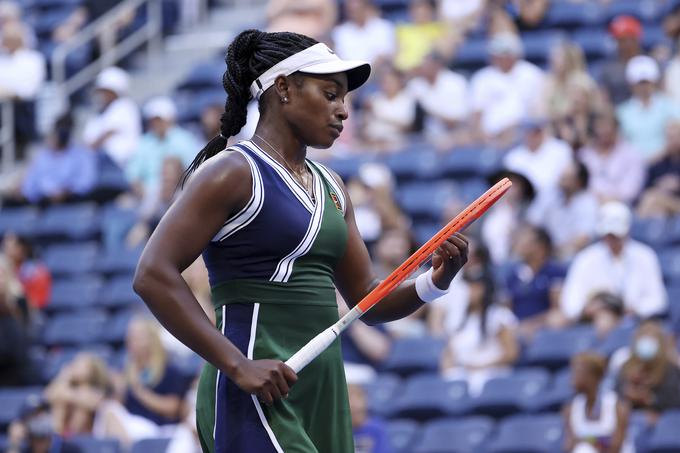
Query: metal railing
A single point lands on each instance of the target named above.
(7, 138)
(149, 33)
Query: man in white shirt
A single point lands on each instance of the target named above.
(116, 129)
(555, 210)
(616, 171)
(542, 157)
(618, 265)
(442, 94)
(22, 70)
(364, 35)
(507, 91)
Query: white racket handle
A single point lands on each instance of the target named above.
(319, 343)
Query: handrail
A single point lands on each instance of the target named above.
(7, 138)
(149, 33)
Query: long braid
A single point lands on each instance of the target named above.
(249, 55)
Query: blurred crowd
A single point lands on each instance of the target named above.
(590, 153)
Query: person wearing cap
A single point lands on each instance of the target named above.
(163, 139)
(507, 91)
(644, 116)
(627, 31)
(542, 157)
(616, 264)
(617, 171)
(115, 129)
(277, 234)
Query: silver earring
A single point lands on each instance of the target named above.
(284, 99)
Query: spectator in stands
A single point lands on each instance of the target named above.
(617, 264)
(568, 76)
(644, 116)
(555, 211)
(616, 171)
(605, 311)
(650, 378)
(462, 15)
(33, 431)
(529, 14)
(443, 97)
(150, 392)
(506, 92)
(364, 35)
(661, 197)
(534, 282)
(370, 434)
(594, 421)
(11, 12)
(15, 362)
(210, 121)
(62, 170)
(671, 19)
(627, 31)
(116, 127)
(156, 201)
(390, 113)
(542, 157)
(314, 18)
(485, 344)
(502, 220)
(33, 275)
(76, 394)
(419, 37)
(164, 139)
(22, 70)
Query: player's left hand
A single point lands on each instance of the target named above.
(448, 259)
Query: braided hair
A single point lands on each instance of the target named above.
(249, 55)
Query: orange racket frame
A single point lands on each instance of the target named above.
(471, 213)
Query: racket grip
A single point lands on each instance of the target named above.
(311, 350)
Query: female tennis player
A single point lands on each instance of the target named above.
(277, 233)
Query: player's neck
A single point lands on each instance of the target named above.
(283, 140)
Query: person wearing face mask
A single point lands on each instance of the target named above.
(33, 431)
(650, 378)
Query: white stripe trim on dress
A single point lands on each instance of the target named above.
(258, 407)
(217, 380)
(295, 187)
(333, 182)
(248, 213)
(285, 267)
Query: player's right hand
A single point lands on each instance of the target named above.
(270, 380)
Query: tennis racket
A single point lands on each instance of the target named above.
(471, 213)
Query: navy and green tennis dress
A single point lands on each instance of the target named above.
(271, 273)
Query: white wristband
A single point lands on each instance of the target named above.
(426, 289)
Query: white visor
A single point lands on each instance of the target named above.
(317, 59)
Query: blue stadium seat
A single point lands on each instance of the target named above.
(645, 10)
(428, 396)
(573, 15)
(69, 259)
(204, 75)
(470, 162)
(426, 200)
(423, 231)
(670, 264)
(402, 435)
(117, 261)
(455, 435)
(553, 398)
(471, 54)
(117, 327)
(4, 442)
(45, 22)
(92, 445)
(79, 292)
(413, 355)
(596, 42)
(150, 446)
(418, 162)
(190, 104)
(510, 394)
(471, 189)
(12, 401)
(528, 434)
(652, 231)
(346, 167)
(22, 221)
(379, 392)
(77, 328)
(538, 44)
(619, 337)
(674, 230)
(118, 293)
(554, 348)
(74, 222)
(666, 436)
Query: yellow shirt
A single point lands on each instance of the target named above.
(415, 41)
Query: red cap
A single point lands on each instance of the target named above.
(626, 27)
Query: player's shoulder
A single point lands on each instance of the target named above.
(226, 170)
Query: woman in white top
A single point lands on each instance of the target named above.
(595, 422)
(484, 345)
